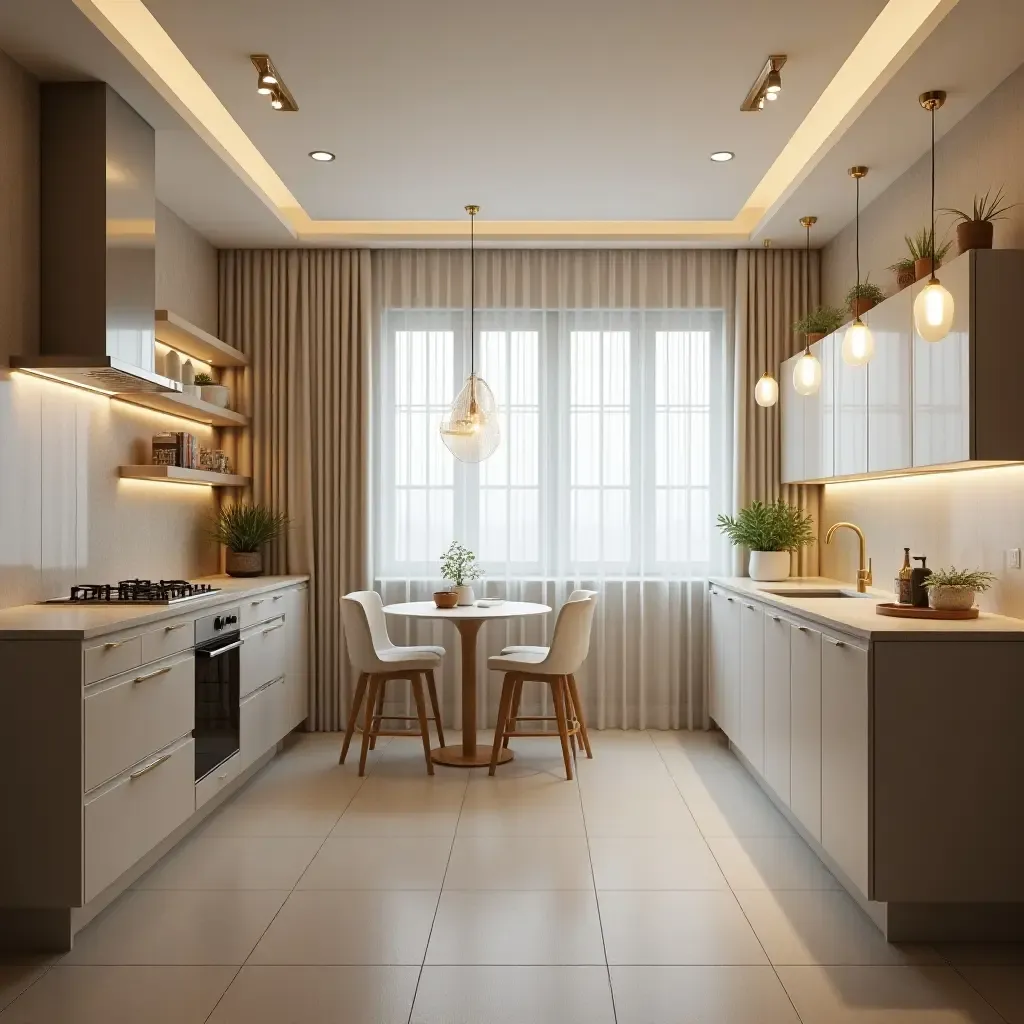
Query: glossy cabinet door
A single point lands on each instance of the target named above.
(805, 727)
(725, 662)
(851, 414)
(751, 741)
(777, 747)
(792, 437)
(890, 372)
(821, 419)
(844, 757)
(942, 379)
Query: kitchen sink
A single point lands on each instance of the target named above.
(797, 594)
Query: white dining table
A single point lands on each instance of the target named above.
(467, 619)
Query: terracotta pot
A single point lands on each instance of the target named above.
(815, 336)
(244, 563)
(860, 306)
(905, 278)
(923, 268)
(974, 234)
(446, 598)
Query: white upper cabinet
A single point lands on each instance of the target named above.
(890, 388)
(851, 414)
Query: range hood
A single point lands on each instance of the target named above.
(98, 243)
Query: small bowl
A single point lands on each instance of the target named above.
(446, 598)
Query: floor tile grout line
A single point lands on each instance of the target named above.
(967, 981)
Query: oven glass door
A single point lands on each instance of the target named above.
(217, 676)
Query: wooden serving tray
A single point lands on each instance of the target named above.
(906, 611)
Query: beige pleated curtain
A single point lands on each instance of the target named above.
(303, 318)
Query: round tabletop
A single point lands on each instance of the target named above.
(428, 610)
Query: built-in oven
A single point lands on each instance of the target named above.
(217, 678)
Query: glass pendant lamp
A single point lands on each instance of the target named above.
(807, 370)
(766, 391)
(933, 308)
(470, 429)
(858, 342)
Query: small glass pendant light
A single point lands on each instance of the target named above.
(933, 308)
(807, 371)
(766, 391)
(470, 429)
(858, 342)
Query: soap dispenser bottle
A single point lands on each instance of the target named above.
(903, 577)
(918, 591)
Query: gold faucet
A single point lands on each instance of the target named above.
(864, 577)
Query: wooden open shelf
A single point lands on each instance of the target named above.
(180, 475)
(189, 407)
(179, 334)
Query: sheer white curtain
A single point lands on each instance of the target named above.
(614, 376)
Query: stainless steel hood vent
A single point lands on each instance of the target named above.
(98, 243)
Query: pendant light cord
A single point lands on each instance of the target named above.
(857, 180)
(472, 294)
(933, 190)
(807, 260)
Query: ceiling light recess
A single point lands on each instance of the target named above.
(270, 83)
(767, 85)
(322, 155)
(722, 156)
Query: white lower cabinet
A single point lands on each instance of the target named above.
(213, 782)
(725, 662)
(777, 747)
(844, 757)
(261, 721)
(805, 727)
(751, 688)
(263, 653)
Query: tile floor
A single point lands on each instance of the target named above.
(661, 887)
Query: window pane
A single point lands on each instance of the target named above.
(509, 525)
(424, 363)
(600, 525)
(424, 523)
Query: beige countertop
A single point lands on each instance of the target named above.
(857, 617)
(84, 621)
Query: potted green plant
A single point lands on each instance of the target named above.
(819, 322)
(953, 589)
(921, 247)
(862, 297)
(770, 532)
(974, 230)
(458, 566)
(210, 391)
(904, 271)
(244, 528)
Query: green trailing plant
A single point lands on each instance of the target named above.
(203, 379)
(903, 266)
(865, 290)
(458, 565)
(987, 207)
(921, 246)
(775, 526)
(247, 527)
(960, 579)
(823, 320)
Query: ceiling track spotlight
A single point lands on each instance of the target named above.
(767, 85)
(269, 83)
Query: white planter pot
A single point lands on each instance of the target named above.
(769, 566)
(190, 389)
(465, 594)
(950, 598)
(215, 394)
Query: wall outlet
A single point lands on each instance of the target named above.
(1013, 558)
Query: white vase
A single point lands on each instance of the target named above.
(950, 599)
(769, 566)
(466, 595)
(172, 365)
(215, 394)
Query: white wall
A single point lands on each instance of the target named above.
(970, 518)
(65, 516)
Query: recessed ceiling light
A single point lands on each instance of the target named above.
(322, 155)
(722, 156)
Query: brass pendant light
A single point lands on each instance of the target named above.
(933, 308)
(858, 342)
(470, 429)
(807, 371)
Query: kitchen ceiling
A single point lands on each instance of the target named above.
(571, 122)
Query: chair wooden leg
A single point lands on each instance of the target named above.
(435, 706)
(353, 716)
(517, 699)
(504, 710)
(558, 689)
(377, 714)
(375, 684)
(574, 693)
(421, 710)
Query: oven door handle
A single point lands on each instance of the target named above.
(220, 650)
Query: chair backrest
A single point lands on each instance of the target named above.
(374, 608)
(359, 638)
(571, 639)
(582, 595)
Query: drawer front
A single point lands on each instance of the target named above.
(212, 783)
(166, 640)
(125, 819)
(260, 718)
(111, 657)
(262, 655)
(262, 607)
(130, 716)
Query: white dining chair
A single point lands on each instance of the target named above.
(553, 665)
(574, 695)
(378, 661)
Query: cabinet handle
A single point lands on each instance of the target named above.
(149, 767)
(730, 599)
(278, 597)
(775, 618)
(152, 675)
(803, 629)
(272, 628)
(171, 629)
(839, 643)
(254, 603)
(110, 645)
(752, 607)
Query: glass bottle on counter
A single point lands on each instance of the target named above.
(903, 577)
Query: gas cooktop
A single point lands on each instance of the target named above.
(137, 592)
